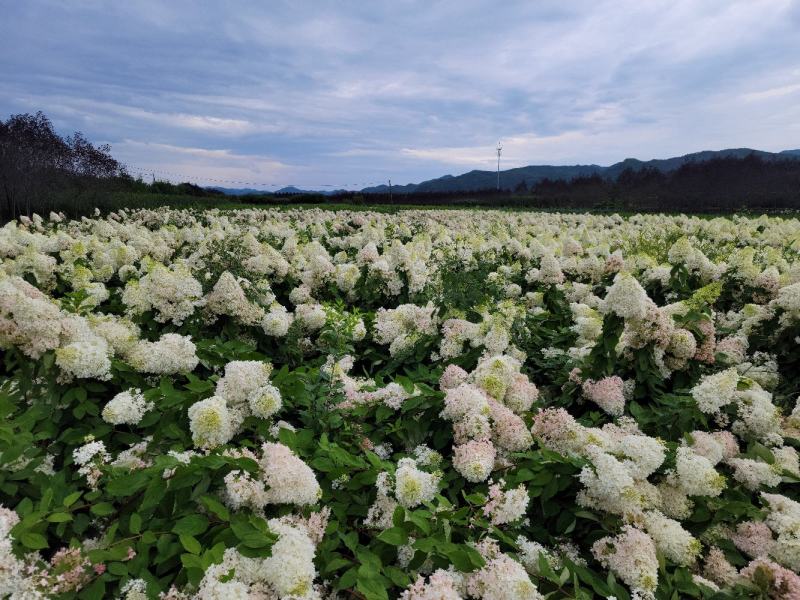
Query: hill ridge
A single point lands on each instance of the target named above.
(477, 179)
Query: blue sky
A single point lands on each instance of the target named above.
(351, 93)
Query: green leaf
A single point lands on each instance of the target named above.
(135, 523)
(399, 516)
(191, 561)
(59, 517)
(420, 521)
(34, 541)
(190, 543)
(71, 499)
(463, 557)
(128, 485)
(216, 507)
(117, 568)
(348, 579)
(396, 536)
(191, 525)
(371, 586)
(47, 499)
(398, 577)
(148, 537)
(95, 591)
(335, 564)
(764, 453)
(249, 535)
(103, 509)
(155, 492)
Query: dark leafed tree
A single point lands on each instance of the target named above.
(40, 170)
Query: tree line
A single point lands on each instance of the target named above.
(42, 171)
(714, 186)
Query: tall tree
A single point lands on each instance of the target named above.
(40, 169)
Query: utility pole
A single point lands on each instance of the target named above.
(499, 150)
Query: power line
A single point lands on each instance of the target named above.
(185, 177)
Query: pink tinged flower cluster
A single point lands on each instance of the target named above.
(558, 430)
(631, 555)
(754, 538)
(452, 377)
(474, 460)
(506, 506)
(502, 578)
(510, 431)
(441, 585)
(782, 583)
(288, 479)
(607, 393)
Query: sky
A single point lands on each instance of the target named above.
(343, 94)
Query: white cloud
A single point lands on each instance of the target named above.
(202, 165)
(404, 88)
(772, 93)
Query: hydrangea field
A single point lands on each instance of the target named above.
(425, 405)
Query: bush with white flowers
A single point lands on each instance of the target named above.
(300, 404)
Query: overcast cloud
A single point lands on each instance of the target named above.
(353, 93)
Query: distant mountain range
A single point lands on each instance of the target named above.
(532, 174)
(511, 178)
(284, 190)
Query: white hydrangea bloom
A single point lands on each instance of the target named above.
(677, 544)
(502, 578)
(228, 298)
(276, 321)
(210, 422)
(626, 298)
(696, 476)
(289, 480)
(413, 486)
(85, 359)
(265, 401)
(754, 474)
(171, 292)
(242, 378)
(173, 353)
(715, 391)
(290, 568)
(631, 555)
(127, 408)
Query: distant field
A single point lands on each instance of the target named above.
(132, 200)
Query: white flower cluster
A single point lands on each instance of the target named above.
(12, 572)
(289, 571)
(506, 506)
(126, 408)
(631, 555)
(493, 332)
(282, 478)
(360, 390)
(715, 391)
(403, 326)
(228, 298)
(414, 486)
(244, 390)
(173, 353)
(90, 458)
(171, 292)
